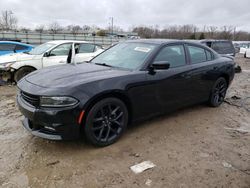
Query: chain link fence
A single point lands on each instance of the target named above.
(39, 38)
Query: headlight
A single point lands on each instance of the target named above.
(57, 101)
(7, 65)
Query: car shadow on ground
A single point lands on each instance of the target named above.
(133, 129)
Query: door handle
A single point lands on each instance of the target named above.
(62, 61)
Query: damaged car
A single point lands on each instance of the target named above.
(130, 81)
(15, 66)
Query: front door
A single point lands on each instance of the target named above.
(58, 55)
(172, 85)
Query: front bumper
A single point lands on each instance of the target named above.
(50, 123)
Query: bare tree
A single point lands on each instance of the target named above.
(226, 32)
(75, 29)
(211, 32)
(54, 27)
(8, 21)
(40, 28)
(86, 28)
(24, 29)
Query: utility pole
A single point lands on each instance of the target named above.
(234, 33)
(112, 25)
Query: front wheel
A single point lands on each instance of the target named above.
(106, 121)
(218, 92)
(20, 73)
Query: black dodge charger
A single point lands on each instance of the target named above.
(130, 81)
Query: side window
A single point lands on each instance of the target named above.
(98, 48)
(61, 50)
(209, 55)
(20, 47)
(175, 55)
(7, 47)
(86, 48)
(197, 54)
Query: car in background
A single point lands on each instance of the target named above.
(130, 81)
(16, 66)
(244, 48)
(247, 53)
(9, 47)
(223, 47)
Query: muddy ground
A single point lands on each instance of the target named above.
(195, 147)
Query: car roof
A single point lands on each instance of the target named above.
(164, 41)
(65, 41)
(13, 42)
(214, 40)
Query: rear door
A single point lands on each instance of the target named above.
(58, 55)
(204, 68)
(85, 52)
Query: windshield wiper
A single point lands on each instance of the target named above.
(26, 52)
(104, 64)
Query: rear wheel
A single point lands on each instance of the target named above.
(106, 121)
(218, 92)
(20, 73)
(245, 55)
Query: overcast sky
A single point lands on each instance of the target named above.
(127, 13)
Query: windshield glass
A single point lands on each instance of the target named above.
(125, 55)
(41, 48)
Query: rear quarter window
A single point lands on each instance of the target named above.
(197, 54)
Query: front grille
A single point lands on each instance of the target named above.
(31, 99)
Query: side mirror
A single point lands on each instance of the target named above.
(46, 54)
(160, 65)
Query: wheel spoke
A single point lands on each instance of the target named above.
(98, 128)
(98, 119)
(117, 117)
(117, 123)
(113, 130)
(107, 134)
(100, 133)
(216, 98)
(114, 111)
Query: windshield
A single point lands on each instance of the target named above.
(41, 48)
(125, 55)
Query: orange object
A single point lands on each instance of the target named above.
(80, 117)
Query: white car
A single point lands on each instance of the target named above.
(247, 53)
(15, 66)
(244, 48)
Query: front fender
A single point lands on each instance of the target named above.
(37, 64)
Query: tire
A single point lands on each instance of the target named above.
(218, 92)
(106, 121)
(245, 55)
(20, 73)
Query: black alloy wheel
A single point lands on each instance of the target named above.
(106, 121)
(218, 92)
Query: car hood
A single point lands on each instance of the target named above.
(72, 75)
(16, 57)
